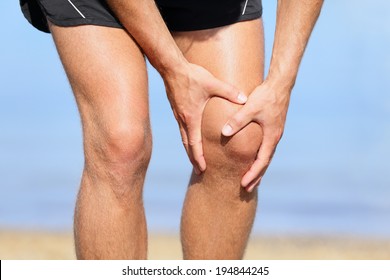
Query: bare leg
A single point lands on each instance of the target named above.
(218, 214)
(107, 72)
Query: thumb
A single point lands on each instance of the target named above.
(227, 91)
(241, 119)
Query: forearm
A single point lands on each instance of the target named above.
(294, 23)
(144, 22)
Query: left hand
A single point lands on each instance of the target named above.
(267, 106)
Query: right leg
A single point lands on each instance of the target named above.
(107, 72)
(218, 213)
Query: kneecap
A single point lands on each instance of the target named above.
(240, 148)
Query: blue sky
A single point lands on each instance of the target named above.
(334, 153)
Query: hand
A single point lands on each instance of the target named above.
(188, 90)
(267, 106)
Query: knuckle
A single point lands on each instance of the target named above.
(184, 117)
(251, 109)
(237, 120)
(194, 142)
(243, 117)
(274, 138)
(185, 143)
(187, 116)
(278, 134)
(209, 86)
(190, 119)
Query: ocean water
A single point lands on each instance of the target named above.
(330, 174)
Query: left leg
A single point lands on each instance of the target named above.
(218, 213)
(109, 80)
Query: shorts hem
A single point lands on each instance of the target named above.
(41, 25)
(182, 27)
(83, 21)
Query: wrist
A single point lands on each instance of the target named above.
(170, 65)
(280, 84)
(281, 81)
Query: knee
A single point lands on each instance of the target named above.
(236, 152)
(119, 150)
(125, 144)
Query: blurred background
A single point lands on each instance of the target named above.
(328, 186)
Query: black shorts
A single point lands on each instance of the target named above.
(179, 15)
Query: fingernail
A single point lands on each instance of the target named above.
(226, 130)
(242, 98)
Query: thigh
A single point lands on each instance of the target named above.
(233, 53)
(107, 72)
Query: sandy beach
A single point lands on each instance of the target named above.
(55, 245)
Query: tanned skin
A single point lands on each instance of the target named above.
(207, 75)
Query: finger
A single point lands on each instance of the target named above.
(252, 174)
(184, 138)
(254, 184)
(262, 161)
(195, 145)
(229, 92)
(241, 119)
(197, 153)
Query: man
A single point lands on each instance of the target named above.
(210, 55)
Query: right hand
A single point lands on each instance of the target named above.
(188, 89)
